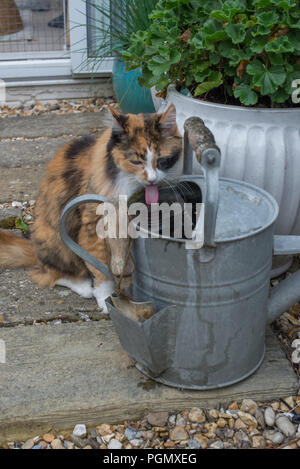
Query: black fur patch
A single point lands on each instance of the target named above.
(167, 163)
(111, 167)
(78, 145)
(74, 224)
(73, 179)
(122, 120)
(152, 128)
(54, 261)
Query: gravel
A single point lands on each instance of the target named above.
(57, 107)
(227, 427)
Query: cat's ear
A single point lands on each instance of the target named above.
(167, 121)
(119, 120)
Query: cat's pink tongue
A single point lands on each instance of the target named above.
(151, 194)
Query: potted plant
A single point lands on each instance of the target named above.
(112, 24)
(233, 64)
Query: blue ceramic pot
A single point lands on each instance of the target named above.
(132, 97)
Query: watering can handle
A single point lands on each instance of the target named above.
(200, 139)
(83, 199)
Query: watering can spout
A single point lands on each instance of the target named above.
(287, 293)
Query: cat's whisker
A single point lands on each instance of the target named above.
(177, 195)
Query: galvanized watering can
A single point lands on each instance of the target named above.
(211, 304)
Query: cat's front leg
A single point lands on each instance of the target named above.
(101, 291)
(103, 287)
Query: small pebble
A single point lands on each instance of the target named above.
(284, 424)
(258, 442)
(193, 444)
(130, 433)
(28, 444)
(68, 444)
(216, 445)
(114, 444)
(274, 436)
(178, 433)
(57, 444)
(48, 437)
(203, 440)
(158, 419)
(103, 429)
(80, 430)
(247, 418)
(136, 443)
(248, 405)
(269, 416)
(196, 415)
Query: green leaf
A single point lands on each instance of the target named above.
(257, 44)
(21, 225)
(212, 31)
(262, 3)
(247, 96)
(214, 58)
(281, 44)
(291, 76)
(215, 80)
(159, 65)
(285, 4)
(277, 59)
(267, 79)
(267, 19)
(294, 38)
(220, 15)
(237, 32)
(280, 96)
(255, 67)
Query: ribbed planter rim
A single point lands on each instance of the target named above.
(172, 89)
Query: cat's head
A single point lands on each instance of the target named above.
(144, 149)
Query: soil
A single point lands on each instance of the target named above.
(220, 96)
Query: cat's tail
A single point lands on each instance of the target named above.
(16, 252)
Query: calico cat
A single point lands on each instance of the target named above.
(138, 151)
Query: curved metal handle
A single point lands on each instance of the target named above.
(200, 139)
(83, 199)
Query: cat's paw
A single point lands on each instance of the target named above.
(103, 291)
(82, 287)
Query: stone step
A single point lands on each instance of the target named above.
(27, 154)
(56, 376)
(23, 302)
(20, 183)
(51, 125)
(23, 162)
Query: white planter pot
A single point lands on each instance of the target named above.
(260, 146)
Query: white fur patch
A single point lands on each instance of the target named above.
(81, 287)
(126, 184)
(152, 174)
(103, 291)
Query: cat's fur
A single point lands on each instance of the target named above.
(137, 150)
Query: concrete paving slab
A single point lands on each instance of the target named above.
(10, 212)
(20, 183)
(51, 125)
(57, 376)
(23, 165)
(23, 302)
(20, 153)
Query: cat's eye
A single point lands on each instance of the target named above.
(166, 163)
(136, 162)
